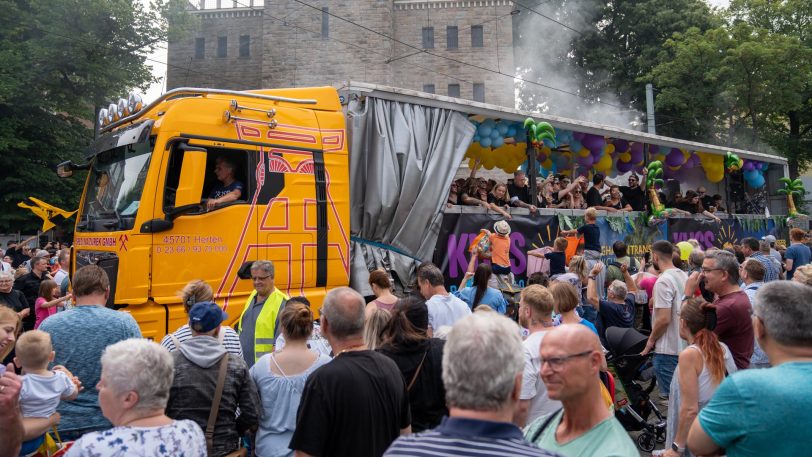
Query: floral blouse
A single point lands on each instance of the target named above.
(181, 438)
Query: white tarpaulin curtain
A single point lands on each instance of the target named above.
(403, 158)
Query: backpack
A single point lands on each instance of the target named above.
(632, 268)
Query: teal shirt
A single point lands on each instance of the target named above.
(606, 439)
(762, 412)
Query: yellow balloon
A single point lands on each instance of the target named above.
(625, 157)
(547, 164)
(610, 148)
(715, 177)
(546, 150)
(605, 164)
(584, 152)
(471, 163)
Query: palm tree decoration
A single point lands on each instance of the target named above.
(792, 188)
(654, 177)
(537, 132)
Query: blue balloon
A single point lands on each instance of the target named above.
(502, 128)
(497, 142)
(549, 143)
(475, 139)
(764, 166)
(489, 122)
(485, 142)
(575, 145)
(511, 132)
(484, 130)
(495, 134)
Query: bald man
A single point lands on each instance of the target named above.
(572, 358)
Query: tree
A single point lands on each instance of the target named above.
(63, 59)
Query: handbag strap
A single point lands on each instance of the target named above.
(417, 372)
(547, 422)
(215, 405)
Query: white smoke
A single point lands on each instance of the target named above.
(543, 52)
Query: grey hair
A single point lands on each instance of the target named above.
(42, 253)
(344, 310)
(481, 359)
(784, 308)
(142, 366)
(618, 289)
(764, 246)
(696, 257)
(264, 265)
(7, 275)
(432, 274)
(727, 262)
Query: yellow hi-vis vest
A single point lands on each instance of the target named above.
(265, 326)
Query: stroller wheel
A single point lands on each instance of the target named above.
(645, 441)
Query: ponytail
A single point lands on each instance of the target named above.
(713, 352)
(481, 277)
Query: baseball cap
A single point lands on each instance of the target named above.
(206, 316)
(768, 238)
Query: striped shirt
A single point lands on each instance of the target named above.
(466, 437)
(771, 269)
(231, 340)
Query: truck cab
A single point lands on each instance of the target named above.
(144, 216)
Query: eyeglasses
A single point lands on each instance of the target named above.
(708, 270)
(260, 278)
(556, 363)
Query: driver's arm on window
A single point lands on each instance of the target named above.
(234, 195)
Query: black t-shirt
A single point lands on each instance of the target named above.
(592, 237)
(14, 300)
(635, 196)
(28, 284)
(707, 201)
(355, 405)
(497, 201)
(619, 205)
(522, 192)
(558, 261)
(427, 397)
(17, 256)
(593, 197)
(220, 190)
(612, 314)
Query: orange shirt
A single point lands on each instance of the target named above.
(500, 249)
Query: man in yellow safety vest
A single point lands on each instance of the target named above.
(259, 319)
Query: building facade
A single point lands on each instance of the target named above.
(460, 48)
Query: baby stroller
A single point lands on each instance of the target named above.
(633, 407)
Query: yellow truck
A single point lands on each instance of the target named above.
(144, 216)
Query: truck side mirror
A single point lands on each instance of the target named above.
(192, 174)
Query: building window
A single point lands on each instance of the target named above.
(200, 48)
(245, 45)
(479, 92)
(428, 88)
(477, 39)
(454, 90)
(222, 44)
(428, 37)
(451, 38)
(325, 22)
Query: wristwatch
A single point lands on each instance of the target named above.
(676, 448)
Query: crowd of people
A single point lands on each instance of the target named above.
(428, 372)
(562, 192)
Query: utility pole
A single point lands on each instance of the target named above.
(652, 128)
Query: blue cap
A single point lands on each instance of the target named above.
(206, 316)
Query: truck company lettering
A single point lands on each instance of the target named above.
(96, 241)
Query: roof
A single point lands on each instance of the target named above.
(500, 112)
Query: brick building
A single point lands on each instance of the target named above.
(437, 45)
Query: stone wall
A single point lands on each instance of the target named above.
(293, 51)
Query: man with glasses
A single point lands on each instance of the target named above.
(635, 192)
(707, 200)
(571, 359)
(259, 322)
(720, 269)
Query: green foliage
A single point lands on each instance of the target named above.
(62, 60)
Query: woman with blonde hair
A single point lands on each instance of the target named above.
(373, 326)
(566, 300)
(803, 275)
(198, 291)
(701, 368)
(499, 200)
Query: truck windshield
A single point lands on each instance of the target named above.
(114, 188)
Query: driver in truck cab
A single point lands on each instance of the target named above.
(228, 189)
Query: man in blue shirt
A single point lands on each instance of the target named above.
(482, 374)
(798, 254)
(765, 412)
(618, 308)
(228, 189)
(752, 249)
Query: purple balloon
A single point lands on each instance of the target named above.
(674, 158)
(621, 146)
(688, 164)
(593, 142)
(624, 167)
(653, 149)
(585, 161)
(748, 166)
(636, 156)
(578, 135)
(637, 148)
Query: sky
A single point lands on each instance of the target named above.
(158, 61)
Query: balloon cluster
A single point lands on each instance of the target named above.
(491, 150)
(753, 172)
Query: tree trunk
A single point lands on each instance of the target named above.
(791, 211)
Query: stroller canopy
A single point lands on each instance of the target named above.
(625, 341)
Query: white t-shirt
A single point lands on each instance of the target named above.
(40, 395)
(532, 387)
(446, 310)
(668, 292)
